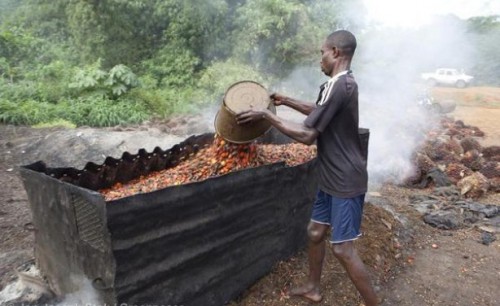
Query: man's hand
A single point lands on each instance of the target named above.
(278, 99)
(250, 116)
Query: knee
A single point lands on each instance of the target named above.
(316, 234)
(343, 251)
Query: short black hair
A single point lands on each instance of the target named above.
(344, 40)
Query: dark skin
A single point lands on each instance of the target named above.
(333, 61)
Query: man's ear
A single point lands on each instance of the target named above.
(336, 52)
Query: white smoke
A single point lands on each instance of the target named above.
(390, 60)
(85, 295)
(387, 66)
(30, 288)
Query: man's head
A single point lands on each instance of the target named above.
(338, 49)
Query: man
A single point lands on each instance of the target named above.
(341, 165)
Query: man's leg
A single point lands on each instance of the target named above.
(348, 257)
(316, 254)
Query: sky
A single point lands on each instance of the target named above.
(404, 13)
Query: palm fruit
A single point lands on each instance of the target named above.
(454, 146)
(495, 184)
(456, 172)
(491, 151)
(491, 169)
(413, 178)
(469, 143)
(435, 149)
(474, 186)
(475, 131)
(443, 150)
(453, 131)
(447, 123)
(424, 163)
(472, 159)
(460, 124)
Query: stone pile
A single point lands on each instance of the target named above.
(445, 208)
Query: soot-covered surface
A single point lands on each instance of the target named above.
(196, 244)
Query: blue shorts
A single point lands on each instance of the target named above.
(343, 215)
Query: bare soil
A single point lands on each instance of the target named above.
(487, 118)
(471, 96)
(410, 262)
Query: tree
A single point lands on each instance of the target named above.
(485, 36)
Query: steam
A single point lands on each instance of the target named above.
(387, 66)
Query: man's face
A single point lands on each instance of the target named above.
(327, 59)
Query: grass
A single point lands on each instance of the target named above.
(56, 123)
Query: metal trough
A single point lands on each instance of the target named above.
(201, 243)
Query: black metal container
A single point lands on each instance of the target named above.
(201, 243)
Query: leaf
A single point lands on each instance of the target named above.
(119, 89)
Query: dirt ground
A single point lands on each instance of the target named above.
(410, 262)
(487, 118)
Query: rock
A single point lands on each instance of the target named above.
(426, 206)
(443, 219)
(470, 217)
(489, 229)
(415, 198)
(489, 211)
(437, 176)
(487, 238)
(74, 148)
(452, 193)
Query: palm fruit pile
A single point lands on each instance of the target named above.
(219, 158)
(453, 149)
(459, 128)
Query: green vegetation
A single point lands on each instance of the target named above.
(56, 123)
(102, 63)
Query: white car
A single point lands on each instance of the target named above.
(447, 76)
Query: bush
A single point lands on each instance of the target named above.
(26, 113)
(92, 111)
(56, 123)
(165, 102)
(92, 81)
(217, 78)
(43, 83)
(102, 112)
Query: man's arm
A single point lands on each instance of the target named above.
(301, 106)
(296, 131)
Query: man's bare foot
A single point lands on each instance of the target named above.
(307, 291)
